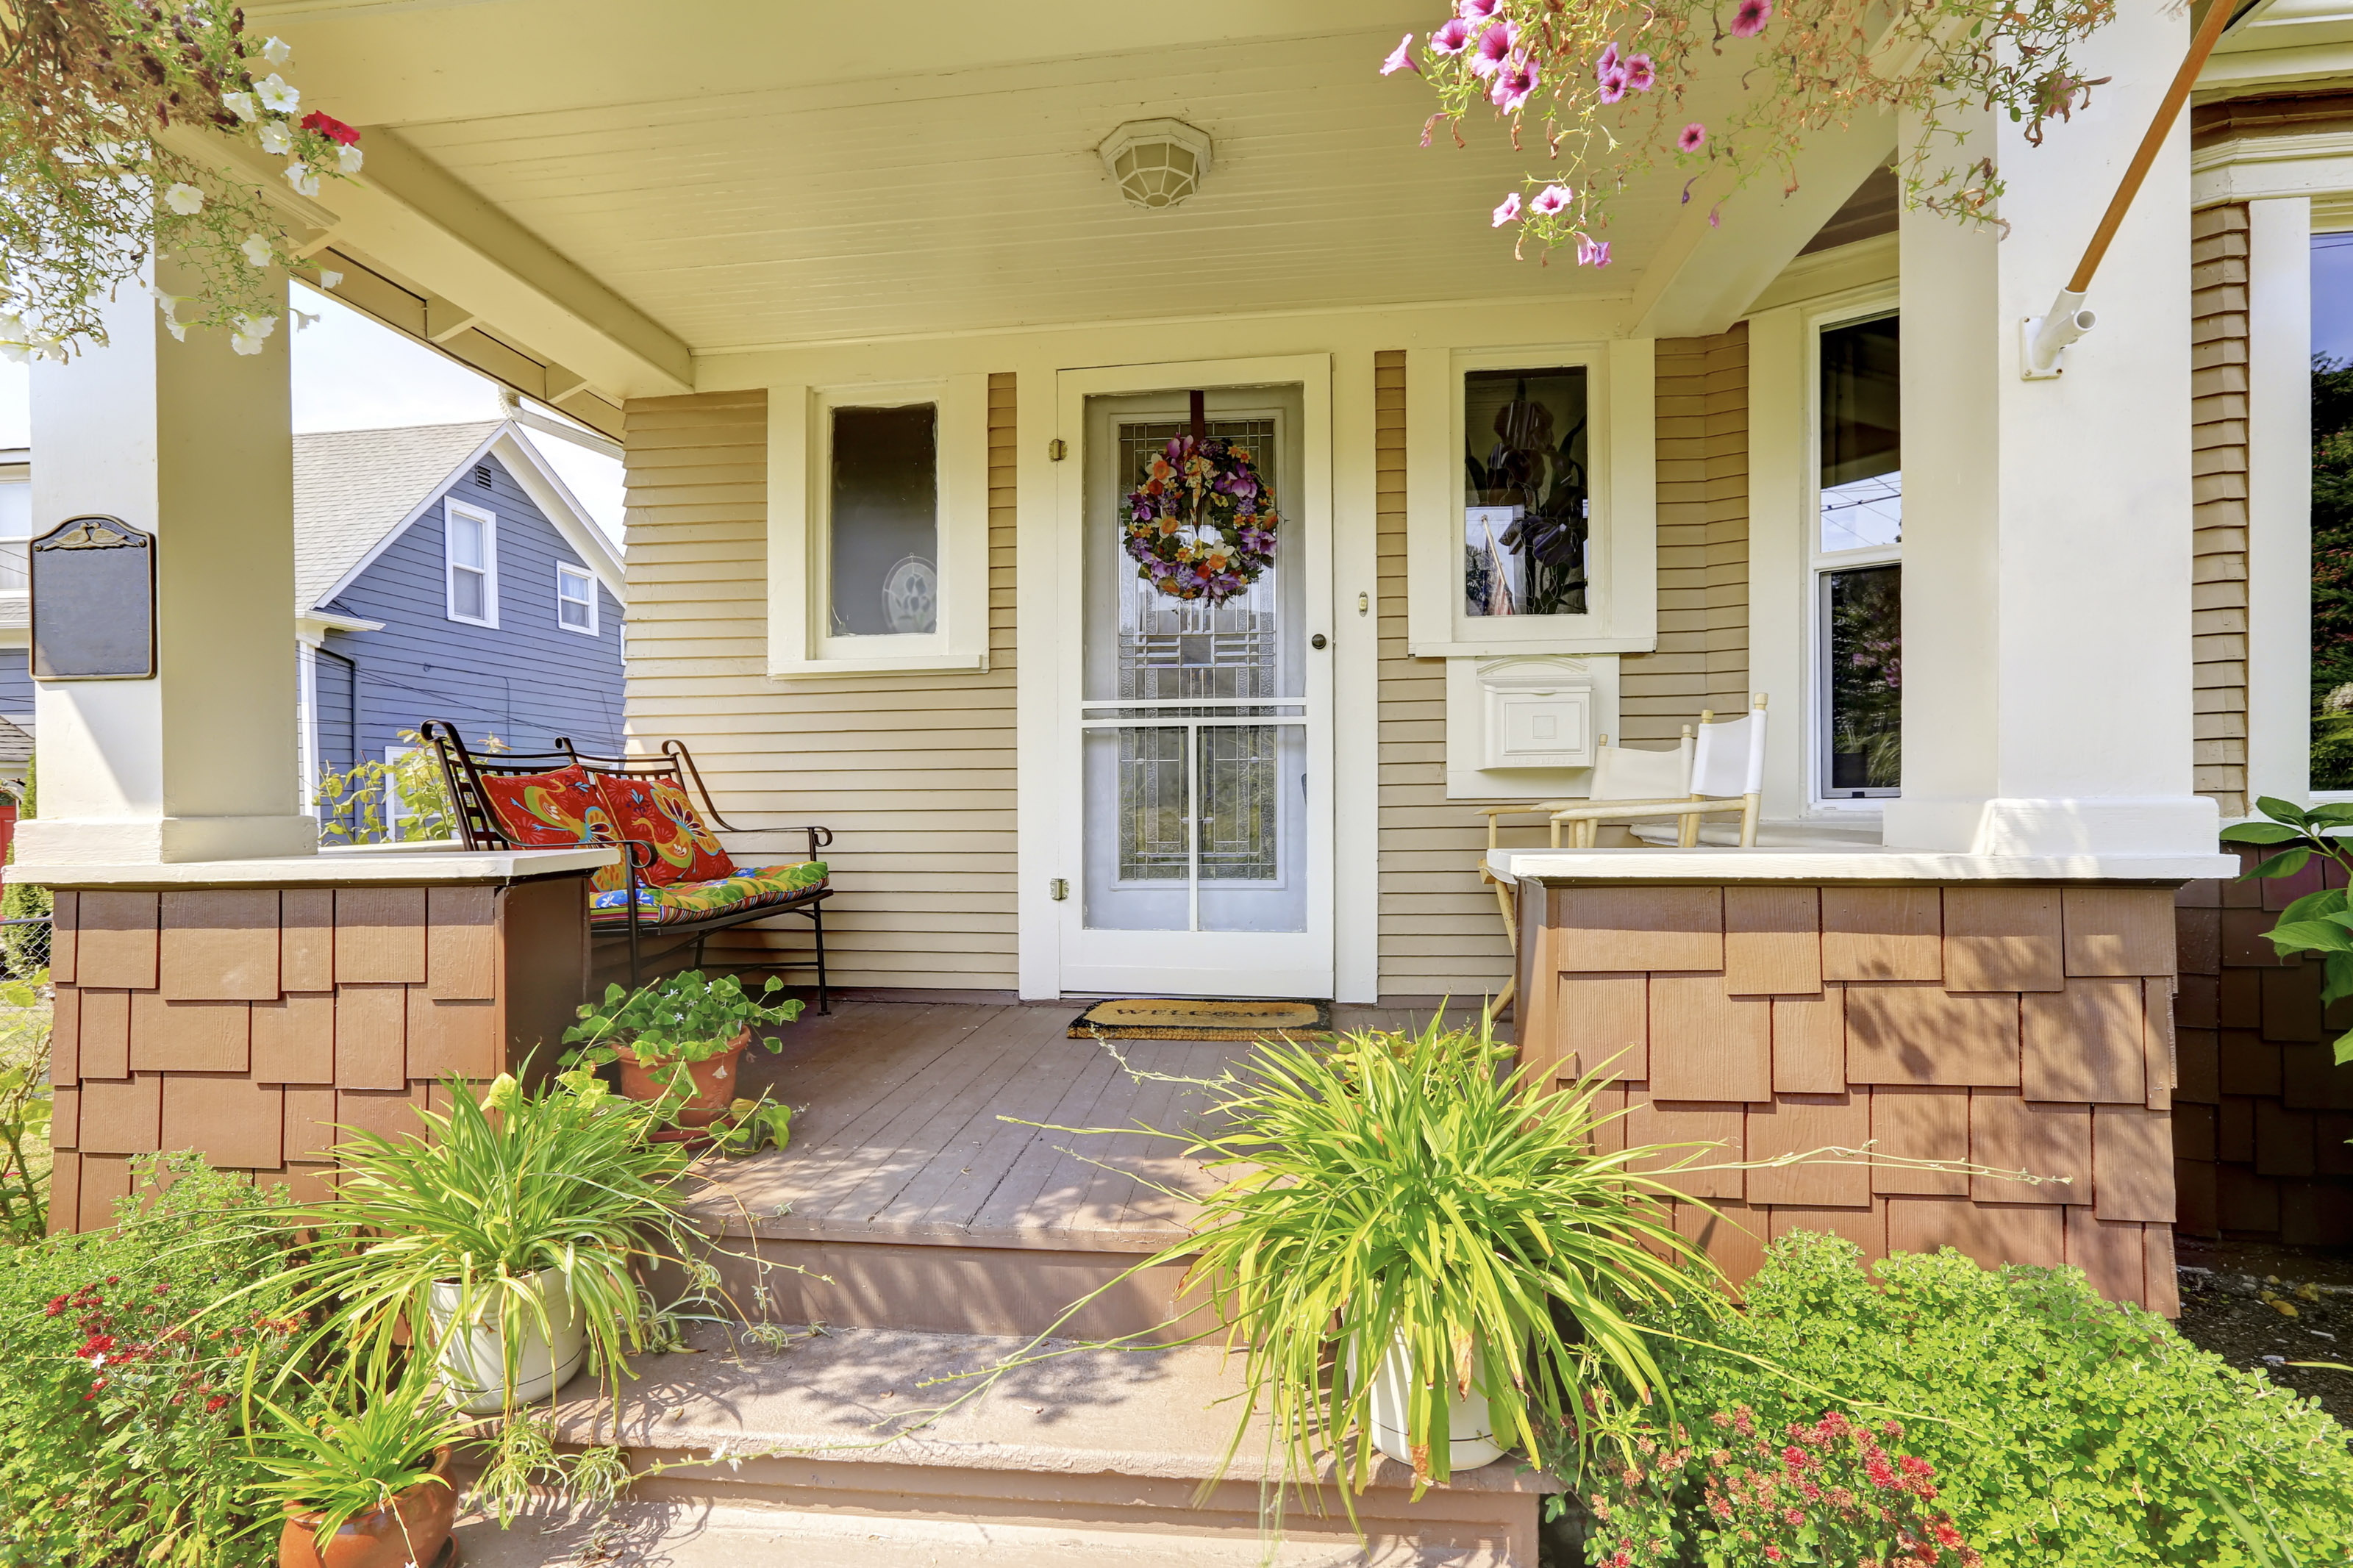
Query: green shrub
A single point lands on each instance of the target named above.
(2062, 1431)
(119, 1423)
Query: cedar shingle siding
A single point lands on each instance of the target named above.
(2219, 466)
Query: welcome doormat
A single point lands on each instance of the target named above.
(1199, 1018)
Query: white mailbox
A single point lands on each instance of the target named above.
(1537, 713)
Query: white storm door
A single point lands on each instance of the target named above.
(1197, 738)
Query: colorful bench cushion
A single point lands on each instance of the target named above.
(748, 888)
(548, 810)
(656, 811)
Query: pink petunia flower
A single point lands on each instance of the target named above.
(1641, 75)
(1477, 11)
(1613, 84)
(1592, 252)
(1694, 138)
(1607, 61)
(1494, 47)
(1452, 39)
(1506, 211)
(1750, 19)
(1550, 200)
(1401, 59)
(1513, 85)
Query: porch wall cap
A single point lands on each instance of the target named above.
(1841, 865)
(329, 867)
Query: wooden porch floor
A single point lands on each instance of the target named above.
(901, 1130)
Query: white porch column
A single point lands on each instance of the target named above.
(2279, 499)
(191, 443)
(2047, 539)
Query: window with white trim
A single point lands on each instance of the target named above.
(470, 550)
(1857, 561)
(16, 530)
(575, 599)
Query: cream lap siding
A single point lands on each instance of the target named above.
(914, 773)
(2218, 310)
(1702, 659)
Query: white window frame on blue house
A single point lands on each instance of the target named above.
(566, 574)
(452, 510)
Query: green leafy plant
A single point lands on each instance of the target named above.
(1411, 1190)
(120, 1433)
(117, 119)
(25, 1105)
(2320, 922)
(672, 1024)
(404, 801)
(2059, 1430)
(340, 1464)
(565, 1179)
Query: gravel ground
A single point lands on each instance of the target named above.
(2270, 1308)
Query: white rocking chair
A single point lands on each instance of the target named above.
(1727, 775)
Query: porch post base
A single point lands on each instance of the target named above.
(2156, 824)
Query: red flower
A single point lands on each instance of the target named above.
(332, 129)
(96, 1345)
(1915, 1466)
(1773, 1552)
(56, 1305)
(1880, 1472)
(215, 1402)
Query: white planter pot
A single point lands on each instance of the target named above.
(473, 1357)
(1470, 1419)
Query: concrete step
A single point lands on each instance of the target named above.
(1131, 1445)
(711, 1535)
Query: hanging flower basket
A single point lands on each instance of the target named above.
(1201, 526)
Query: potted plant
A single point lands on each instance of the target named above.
(369, 1488)
(679, 1042)
(508, 1242)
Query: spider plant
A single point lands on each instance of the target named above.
(564, 1180)
(1410, 1189)
(342, 1465)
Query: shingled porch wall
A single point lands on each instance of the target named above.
(245, 1023)
(2011, 1025)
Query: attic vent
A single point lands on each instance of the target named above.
(482, 475)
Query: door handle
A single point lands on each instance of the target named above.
(1317, 641)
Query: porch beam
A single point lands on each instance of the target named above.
(1706, 276)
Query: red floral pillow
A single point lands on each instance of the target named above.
(550, 810)
(657, 811)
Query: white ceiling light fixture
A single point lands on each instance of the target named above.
(1156, 164)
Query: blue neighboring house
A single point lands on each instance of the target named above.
(445, 571)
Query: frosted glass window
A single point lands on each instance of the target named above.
(1862, 429)
(1526, 506)
(884, 521)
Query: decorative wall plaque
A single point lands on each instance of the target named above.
(93, 602)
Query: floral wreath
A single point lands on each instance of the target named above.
(1201, 526)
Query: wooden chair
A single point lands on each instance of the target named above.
(1727, 776)
(689, 910)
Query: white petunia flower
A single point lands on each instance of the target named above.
(241, 104)
(275, 95)
(301, 176)
(276, 140)
(303, 322)
(179, 333)
(277, 51)
(347, 160)
(256, 326)
(257, 250)
(184, 199)
(244, 344)
(328, 277)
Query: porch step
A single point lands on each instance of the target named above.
(1078, 1445)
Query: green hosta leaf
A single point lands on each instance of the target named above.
(2335, 814)
(2285, 864)
(2310, 936)
(2280, 810)
(2337, 978)
(2322, 905)
(2345, 1049)
(2259, 832)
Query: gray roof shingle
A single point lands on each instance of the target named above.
(354, 487)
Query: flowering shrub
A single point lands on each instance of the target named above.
(104, 108)
(1599, 86)
(121, 1426)
(1829, 1493)
(2057, 1430)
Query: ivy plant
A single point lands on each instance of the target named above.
(2321, 922)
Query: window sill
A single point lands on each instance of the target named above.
(1502, 647)
(912, 664)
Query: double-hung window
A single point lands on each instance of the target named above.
(1856, 557)
(470, 547)
(575, 599)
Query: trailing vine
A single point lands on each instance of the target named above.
(95, 177)
(1600, 87)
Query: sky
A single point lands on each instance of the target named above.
(2332, 295)
(353, 374)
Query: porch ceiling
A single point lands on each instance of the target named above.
(749, 173)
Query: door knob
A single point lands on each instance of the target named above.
(1317, 641)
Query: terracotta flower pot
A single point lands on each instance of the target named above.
(412, 1528)
(715, 1079)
